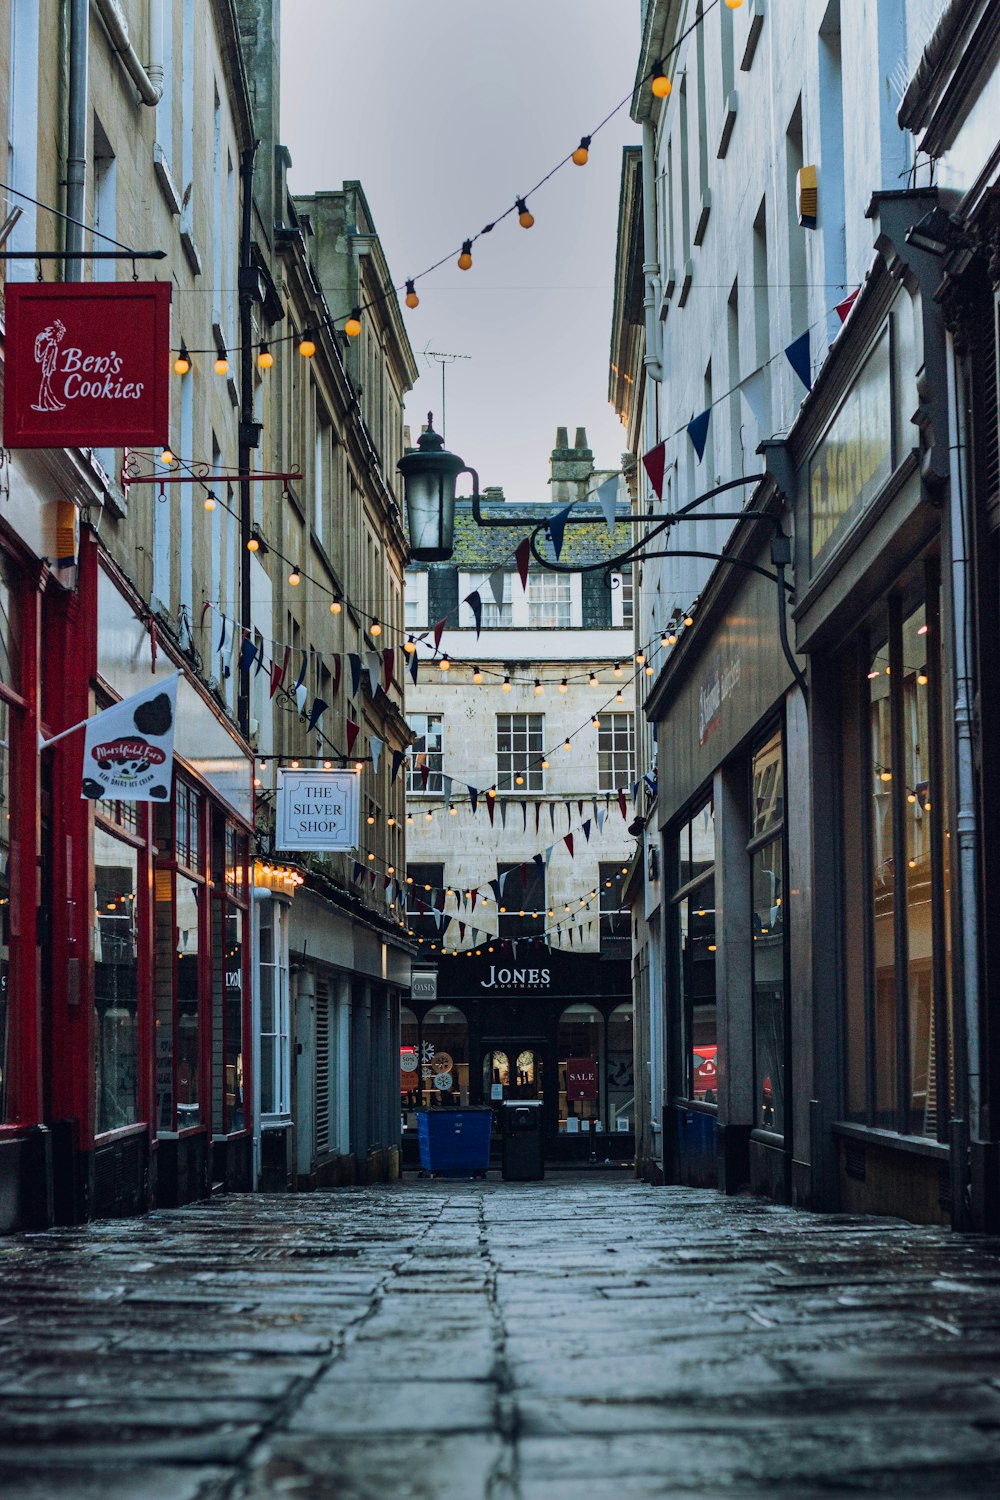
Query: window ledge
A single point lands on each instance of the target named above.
(703, 213)
(728, 121)
(873, 1135)
(168, 187)
(682, 295)
(191, 251)
(755, 19)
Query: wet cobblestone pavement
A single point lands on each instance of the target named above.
(435, 1341)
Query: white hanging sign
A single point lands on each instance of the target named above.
(317, 810)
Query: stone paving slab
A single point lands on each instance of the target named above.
(487, 1341)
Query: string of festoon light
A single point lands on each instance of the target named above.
(660, 83)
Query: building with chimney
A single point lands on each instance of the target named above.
(520, 790)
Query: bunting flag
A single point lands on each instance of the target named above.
(413, 667)
(222, 637)
(797, 354)
(552, 816)
(338, 667)
(445, 924)
(654, 462)
(277, 673)
(461, 932)
(600, 815)
(248, 652)
(316, 713)
(522, 556)
(622, 804)
(497, 582)
(472, 897)
(753, 391)
(557, 528)
(490, 801)
(375, 746)
(843, 308)
(303, 669)
(259, 659)
(388, 662)
(586, 830)
(373, 667)
(568, 841)
(524, 817)
(372, 878)
(473, 801)
(569, 816)
(503, 813)
(301, 694)
(438, 633)
(570, 937)
(538, 814)
(607, 499)
(539, 864)
(354, 661)
(398, 756)
(697, 431)
(475, 603)
(548, 854)
(579, 807)
(358, 872)
(352, 733)
(425, 771)
(495, 888)
(635, 792)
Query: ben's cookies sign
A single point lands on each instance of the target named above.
(87, 364)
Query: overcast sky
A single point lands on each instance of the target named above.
(446, 110)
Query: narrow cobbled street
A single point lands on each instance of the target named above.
(456, 1341)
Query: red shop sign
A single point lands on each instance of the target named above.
(87, 364)
(581, 1078)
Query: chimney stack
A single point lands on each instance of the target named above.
(571, 468)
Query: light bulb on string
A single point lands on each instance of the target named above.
(182, 364)
(221, 365)
(566, 743)
(582, 153)
(689, 618)
(596, 722)
(649, 671)
(412, 300)
(734, 4)
(524, 215)
(444, 664)
(352, 327)
(545, 765)
(375, 628)
(660, 85)
(453, 810)
(307, 346)
(410, 645)
(335, 606)
(539, 690)
(619, 696)
(640, 657)
(295, 577)
(617, 670)
(594, 680)
(465, 258)
(359, 765)
(505, 685)
(477, 675)
(210, 502)
(265, 359)
(167, 458)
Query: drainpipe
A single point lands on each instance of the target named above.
(149, 79)
(653, 359)
(960, 519)
(248, 431)
(76, 149)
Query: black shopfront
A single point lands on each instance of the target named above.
(506, 1027)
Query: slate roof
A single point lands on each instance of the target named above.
(480, 549)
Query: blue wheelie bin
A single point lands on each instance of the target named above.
(455, 1142)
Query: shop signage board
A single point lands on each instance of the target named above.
(128, 749)
(424, 984)
(854, 459)
(317, 810)
(87, 364)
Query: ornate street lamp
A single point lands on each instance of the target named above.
(429, 476)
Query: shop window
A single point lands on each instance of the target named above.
(229, 933)
(581, 1093)
(187, 1057)
(444, 1057)
(616, 753)
(897, 937)
(426, 750)
(520, 751)
(409, 1066)
(522, 911)
(616, 921)
(694, 908)
(272, 960)
(621, 1075)
(767, 887)
(116, 988)
(10, 716)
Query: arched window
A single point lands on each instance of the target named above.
(581, 1067)
(444, 1057)
(621, 1079)
(409, 1065)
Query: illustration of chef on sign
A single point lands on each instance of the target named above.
(47, 355)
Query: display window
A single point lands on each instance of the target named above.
(694, 918)
(12, 708)
(275, 1008)
(229, 934)
(898, 997)
(768, 933)
(181, 938)
(120, 864)
(440, 1044)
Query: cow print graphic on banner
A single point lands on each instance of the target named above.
(129, 751)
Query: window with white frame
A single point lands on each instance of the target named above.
(495, 616)
(520, 749)
(616, 752)
(426, 750)
(621, 601)
(550, 601)
(275, 1052)
(415, 599)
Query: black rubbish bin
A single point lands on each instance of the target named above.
(522, 1158)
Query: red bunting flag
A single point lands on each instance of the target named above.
(473, 895)
(622, 804)
(654, 462)
(568, 841)
(388, 658)
(353, 730)
(843, 308)
(522, 557)
(438, 633)
(489, 809)
(338, 667)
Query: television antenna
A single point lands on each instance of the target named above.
(444, 359)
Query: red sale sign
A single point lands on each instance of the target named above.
(581, 1078)
(87, 364)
